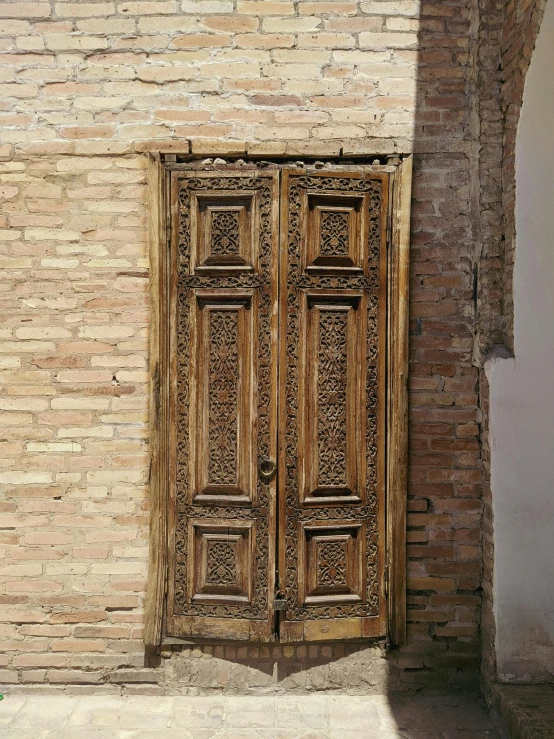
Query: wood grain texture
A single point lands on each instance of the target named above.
(223, 401)
(333, 400)
(157, 564)
(398, 402)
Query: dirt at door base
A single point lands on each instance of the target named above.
(351, 668)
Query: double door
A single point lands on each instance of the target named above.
(276, 335)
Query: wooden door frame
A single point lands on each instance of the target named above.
(400, 169)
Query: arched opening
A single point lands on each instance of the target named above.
(522, 401)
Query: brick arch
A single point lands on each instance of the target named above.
(521, 23)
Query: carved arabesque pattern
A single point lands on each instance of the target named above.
(332, 397)
(225, 233)
(223, 397)
(221, 563)
(331, 565)
(371, 283)
(334, 233)
(187, 283)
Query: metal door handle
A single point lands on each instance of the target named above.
(267, 468)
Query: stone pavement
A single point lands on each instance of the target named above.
(98, 716)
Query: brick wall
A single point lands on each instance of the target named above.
(86, 88)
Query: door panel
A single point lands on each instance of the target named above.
(223, 389)
(223, 359)
(330, 453)
(332, 412)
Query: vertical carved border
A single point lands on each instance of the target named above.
(159, 402)
(397, 426)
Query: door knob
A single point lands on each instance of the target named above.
(267, 469)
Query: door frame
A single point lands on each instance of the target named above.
(399, 167)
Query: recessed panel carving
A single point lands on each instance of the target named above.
(224, 231)
(332, 561)
(332, 398)
(330, 450)
(335, 233)
(223, 376)
(223, 381)
(220, 561)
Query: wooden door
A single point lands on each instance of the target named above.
(276, 321)
(223, 403)
(332, 403)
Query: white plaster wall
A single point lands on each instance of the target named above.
(522, 399)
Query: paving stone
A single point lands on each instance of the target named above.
(199, 713)
(96, 711)
(10, 707)
(245, 717)
(360, 715)
(469, 734)
(46, 712)
(146, 713)
(162, 734)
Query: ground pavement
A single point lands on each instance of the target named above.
(56, 716)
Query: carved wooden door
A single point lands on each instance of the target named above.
(277, 355)
(332, 412)
(223, 420)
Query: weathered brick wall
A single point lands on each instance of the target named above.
(515, 37)
(521, 23)
(86, 88)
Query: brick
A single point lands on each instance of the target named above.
(202, 40)
(388, 40)
(78, 645)
(227, 24)
(39, 660)
(147, 8)
(21, 570)
(264, 7)
(207, 6)
(75, 677)
(21, 617)
(85, 376)
(24, 10)
(41, 234)
(9, 676)
(134, 676)
(24, 478)
(410, 8)
(23, 404)
(78, 617)
(290, 25)
(84, 10)
(12, 28)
